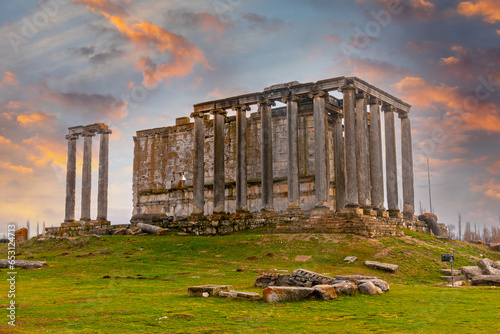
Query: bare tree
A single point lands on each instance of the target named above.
(459, 226)
(451, 228)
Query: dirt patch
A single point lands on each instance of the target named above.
(270, 255)
(252, 258)
(411, 240)
(382, 253)
(303, 258)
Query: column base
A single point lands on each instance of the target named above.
(410, 216)
(394, 213)
(352, 206)
(383, 214)
(350, 211)
(370, 212)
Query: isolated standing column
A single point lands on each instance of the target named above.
(352, 200)
(102, 195)
(86, 175)
(376, 163)
(219, 173)
(241, 157)
(390, 156)
(71, 179)
(267, 154)
(407, 162)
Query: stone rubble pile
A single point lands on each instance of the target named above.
(300, 284)
(487, 272)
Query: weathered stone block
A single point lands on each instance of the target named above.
(346, 288)
(489, 280)
(240, 294)
(272, 279)
(212, 290)
(471, 271)
(456, 272)
(325, 292)
(368, 288)
(354, 278)
(302, 277)
(382, 285)
(382, 266)
(350, 259)
(286, 293)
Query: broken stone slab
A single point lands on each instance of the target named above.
(456, 272)
(306, 278)
(120, 231)
(455, 278)
(240, 294)
(354, 278)
(382, 266)
(272, 279)
(151, 229)
(382, 285)
(368, 288)
(471, 271)
(23, 264)
(325, 292)
(488, 280)
(212, 290)
(345, 288)
(275, 294)
(486, 266)
(495, 264)
(350, 259)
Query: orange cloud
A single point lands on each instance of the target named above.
(489, 189)
(104, 5)
(45, 152)
(488, 9)
(37, 117)
(18, 169)
(450, 60)
(494, 168)
(148, 37)
(9, 78)
(4, 140)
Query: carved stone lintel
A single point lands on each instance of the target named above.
(292, 97)
(319, 93)
(348, 87)
(374, 100)
(242, 107)
(362, 95)
(267, 102)
(197, 114)
(388, 107)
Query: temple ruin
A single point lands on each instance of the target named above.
(87, 132)
(314, 164)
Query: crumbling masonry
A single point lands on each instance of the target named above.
(313, 165)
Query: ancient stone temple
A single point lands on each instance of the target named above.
(313, 164)
(87, 132)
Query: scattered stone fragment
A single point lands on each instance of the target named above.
(471, 271)
(151, 229)
(382, 266)
(120, 231)
(488, 269)
(302, 277)
(350, 259)
(325, 292)
(212, 290)
(368, 288)
(345, 288)
(277, 294)
(456, 272)
(455, 278)
(23, 264)
(240, 294)
(382, 285)
(495, 264)
(272, 279)
(490, 280)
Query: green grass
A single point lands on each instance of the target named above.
(71, 294)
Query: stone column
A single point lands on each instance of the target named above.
(292, 111)
(376, 164)
(102, 195)
(362, 152)
(71, 179)
(241, 157)
(219, 173)
(86, 175)
(407, 162)
(321, 179)
(267, 154)
(352, 200)
(339, 158)
(390, 158)
(199, 165)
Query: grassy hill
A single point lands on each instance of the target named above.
(146, 291)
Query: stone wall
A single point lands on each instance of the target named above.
(163, 155)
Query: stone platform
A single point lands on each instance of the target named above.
(76, 228)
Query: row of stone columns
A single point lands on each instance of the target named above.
(102, 196)
(357, 155)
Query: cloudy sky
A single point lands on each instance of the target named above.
(139, 64)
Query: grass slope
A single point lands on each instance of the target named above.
(71, 294)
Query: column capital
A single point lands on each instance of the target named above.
(374, 100)
(88, 134)
(291, 97)
(105, 132)
(72, 136)
(348, 87)
(242, 107)
(388, 107)
(218, 111)
(319, 93)
(197, 114)
(403, 114)
(362, 95)
(267, 102)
